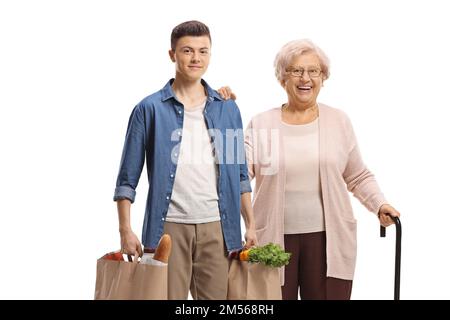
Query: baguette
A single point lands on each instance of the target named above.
(162, 252)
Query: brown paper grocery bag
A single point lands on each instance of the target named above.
(123, 280)
(253, 281)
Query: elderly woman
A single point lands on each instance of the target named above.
(304, 156)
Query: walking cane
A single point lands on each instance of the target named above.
(398, 252)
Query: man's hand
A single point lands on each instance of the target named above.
(226, 93)
(250, 238)
(385, 214)
(130, 244)
(249, 220)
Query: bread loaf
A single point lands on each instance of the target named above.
(162, 252)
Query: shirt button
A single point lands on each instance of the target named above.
(179, 111)
(167, 198)
(162, 218)
(171, 175)
(179, 133)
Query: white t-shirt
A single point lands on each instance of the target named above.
(303, 209)
(194, 196)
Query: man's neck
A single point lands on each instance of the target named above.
(189, 93)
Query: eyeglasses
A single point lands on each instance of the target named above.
(299, 72)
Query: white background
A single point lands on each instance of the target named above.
(71, 72)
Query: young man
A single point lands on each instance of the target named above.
(192, 142)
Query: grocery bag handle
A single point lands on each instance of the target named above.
(130, 258)
(398, 251)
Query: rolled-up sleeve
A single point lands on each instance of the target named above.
(124, 192)
(245, 186)
(133, 157)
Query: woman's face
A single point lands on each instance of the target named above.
(303, 80)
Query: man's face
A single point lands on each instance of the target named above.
(191, 56)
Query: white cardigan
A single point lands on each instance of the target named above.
(341, 170)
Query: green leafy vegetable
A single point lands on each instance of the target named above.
(271, 255)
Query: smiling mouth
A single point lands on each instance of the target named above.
(304, 88)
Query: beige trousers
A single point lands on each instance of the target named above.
(198, 261)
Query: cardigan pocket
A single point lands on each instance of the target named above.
(262, 216)
(347, 238)
(350, 221)
(260, 230)
(263, 236)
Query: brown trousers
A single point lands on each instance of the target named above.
(307, 269)
(197, 261)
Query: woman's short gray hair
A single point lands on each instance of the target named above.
(295, 48)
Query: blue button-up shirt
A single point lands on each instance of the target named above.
(154, 134)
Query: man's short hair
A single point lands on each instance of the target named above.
(188, 28)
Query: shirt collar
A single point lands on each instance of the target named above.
(168, 93)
